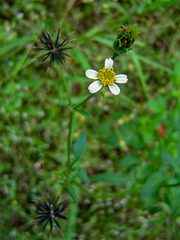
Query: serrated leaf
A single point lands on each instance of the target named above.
(83, 175)
(169, 159)
(72, 193)
(79, 147)
(111, 178)
(85, 113)
(154, 182)
(128, 161)
(145, 171)
(173, 198)
(151, 186)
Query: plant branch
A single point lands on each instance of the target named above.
(69, 138)
(66, 88)
(89, 97)
(114, 56)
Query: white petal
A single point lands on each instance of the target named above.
(121, 78)
(90, 73)
(114, 88)
(95, 86)
(108, 63)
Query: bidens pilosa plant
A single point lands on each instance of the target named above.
(71, 171)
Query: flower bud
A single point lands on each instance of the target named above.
(125, 38)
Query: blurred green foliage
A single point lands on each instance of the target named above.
(132, 139)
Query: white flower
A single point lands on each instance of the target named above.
(106, 77)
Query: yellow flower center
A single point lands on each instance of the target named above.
(107, 76)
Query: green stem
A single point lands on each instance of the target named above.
(78, 105)
(114, 56)
(73, 212)
(66, 88)
(69, 139)
(70, 121)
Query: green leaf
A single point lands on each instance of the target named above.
(5, 166)
(104, 41)
(145, 171)
(99, 130)
(75, 100)
(79, 147)
(173, 182)
(19, 64)
(137, 141)
(140, 73)
(93, 31)
(157, 105)
(72, 193)
(111, 178)
(83, 175)
(178, 156)
(73, 175)
(160, 219)
(153, 210)
(176, 73)
(127, 162)
(85, 113)
(153, 63)
(173, 198)
(169, 159)
(165, 207)
(81, 58)
(177, 69)
(151, 186)
(112, 139)
(16, 44)
(154, 182)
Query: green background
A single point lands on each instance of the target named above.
(132, 140)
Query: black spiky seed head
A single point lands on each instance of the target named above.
(46, 213)
(56, 51)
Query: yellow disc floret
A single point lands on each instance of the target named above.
(107, 76)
